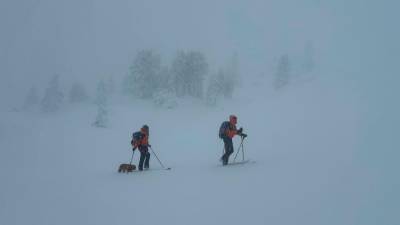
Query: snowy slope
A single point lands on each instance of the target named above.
(57, 169)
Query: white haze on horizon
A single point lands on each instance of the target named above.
(85, 40)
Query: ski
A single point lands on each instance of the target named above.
(247, 161)
(154, 169)
(145, 170)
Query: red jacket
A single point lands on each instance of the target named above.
(231, 131)
(144, 141)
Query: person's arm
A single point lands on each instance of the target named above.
(134, 145)
(145, 141)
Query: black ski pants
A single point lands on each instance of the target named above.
(228, 149)
(144, 157)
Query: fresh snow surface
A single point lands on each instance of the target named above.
(57, 169)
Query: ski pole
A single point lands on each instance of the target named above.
(234, 159)
(159, 160)
(133, 151)
(242, 151)
(132, 158)
(240, 147)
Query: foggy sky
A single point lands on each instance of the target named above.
(82, 40)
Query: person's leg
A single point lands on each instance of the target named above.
(228, 150)
(224, 154)
(142, 158)
(147, 160)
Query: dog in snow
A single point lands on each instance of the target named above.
(126, 168)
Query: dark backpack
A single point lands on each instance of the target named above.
(136, 137)
(223, 128)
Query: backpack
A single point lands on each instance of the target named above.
(223, 128)
(136, 137)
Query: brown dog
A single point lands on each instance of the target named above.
(126, 168)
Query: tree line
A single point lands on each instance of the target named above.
(148, 78)
(186, 76)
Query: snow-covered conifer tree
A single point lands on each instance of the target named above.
(143, 78)
(233, 70)
(309, 61)
(213, 91)
(53, 97)
(282, 75)
(189, 70)
(101, 103)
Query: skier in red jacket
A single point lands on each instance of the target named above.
(226, 132)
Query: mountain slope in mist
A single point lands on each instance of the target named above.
(60, 169)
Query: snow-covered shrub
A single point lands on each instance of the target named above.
(165, 99)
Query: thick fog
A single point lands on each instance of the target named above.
(308, 78)
(82, 40)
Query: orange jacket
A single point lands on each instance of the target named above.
(145, 140)
(231, 131)
(142, 142)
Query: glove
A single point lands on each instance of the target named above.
(240, 130)
(133, 149)
(243, 135)
(148, 145)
